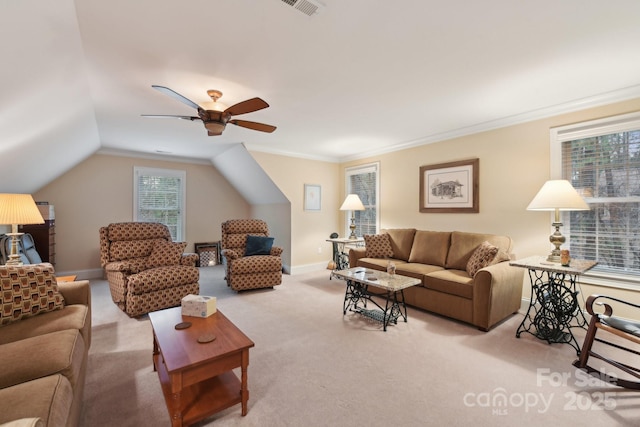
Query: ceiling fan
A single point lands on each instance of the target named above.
(215, 120)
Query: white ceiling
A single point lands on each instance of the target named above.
(361, 76)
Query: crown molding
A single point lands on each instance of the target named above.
(606, 98)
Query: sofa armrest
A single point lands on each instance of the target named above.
(231, 254)
(355, 254)
(78, 292)
(276, 251)
(497, 293)
(124, 266)
(189, 259)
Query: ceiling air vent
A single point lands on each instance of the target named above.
(308, 7)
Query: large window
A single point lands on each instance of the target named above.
(364, 181)
(158, 196)
(601, 159)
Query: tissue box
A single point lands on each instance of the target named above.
(198, 305)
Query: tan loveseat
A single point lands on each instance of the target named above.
(441, 260)
(45, 334)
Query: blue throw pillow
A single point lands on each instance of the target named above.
(258, 245)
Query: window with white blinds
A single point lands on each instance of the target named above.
(364, 181)
(601, 159)
(158, 196)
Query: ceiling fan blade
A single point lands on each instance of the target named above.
(253, 125)
(248, 106)
(176, 95)
(163, 116)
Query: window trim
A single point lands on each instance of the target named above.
(354, 170)
(182, 175)
(602, 126)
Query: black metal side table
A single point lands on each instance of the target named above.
(553, 308)
(340, 257)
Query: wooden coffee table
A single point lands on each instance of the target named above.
(197, 378)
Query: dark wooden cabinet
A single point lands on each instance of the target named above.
(44, 236)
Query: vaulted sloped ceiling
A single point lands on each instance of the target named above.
(360, 77)
(47, 118)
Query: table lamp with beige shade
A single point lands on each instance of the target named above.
(557, 195)
(352, 203)
(18, 209)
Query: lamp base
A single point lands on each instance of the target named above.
(352, 227)
(553, 257)
(14, 257)
(556, 239)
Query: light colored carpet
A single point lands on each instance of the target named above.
(312, 366)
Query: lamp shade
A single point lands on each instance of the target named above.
(19, 209)
(352, 203)
(558, 194)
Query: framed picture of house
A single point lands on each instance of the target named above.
(450, 187)
(312, 197)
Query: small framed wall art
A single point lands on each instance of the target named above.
(312, 197)
(450, 187)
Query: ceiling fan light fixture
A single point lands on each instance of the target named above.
(215, 128)
(213, 106)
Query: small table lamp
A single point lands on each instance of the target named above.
(352, 203)
(18, 209)
(557, 195)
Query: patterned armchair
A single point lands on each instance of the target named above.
(145, 269)
(251, 262)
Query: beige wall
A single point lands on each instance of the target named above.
(309, 230)
(278, 218)
(99, 191)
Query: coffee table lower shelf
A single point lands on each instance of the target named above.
(199, 400)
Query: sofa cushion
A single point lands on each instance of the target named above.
(75, 316)
(483, 256)
(61, 352)
(501, 256)
(49, 398)
(379, 263)
(256, 264)
(430, 247)
(416, 270)
(159, 278)
(165, 253)
(258, 245)
(401, 241)
(126, 249)
(463, 244)
(453, 282)
(378, 246)
(27, 291)
(137, 231)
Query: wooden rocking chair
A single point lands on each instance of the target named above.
(623, 328)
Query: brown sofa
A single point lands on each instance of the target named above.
(441, 261)
(45, 334)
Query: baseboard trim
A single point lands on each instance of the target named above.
(308, 268)
(95, 273)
